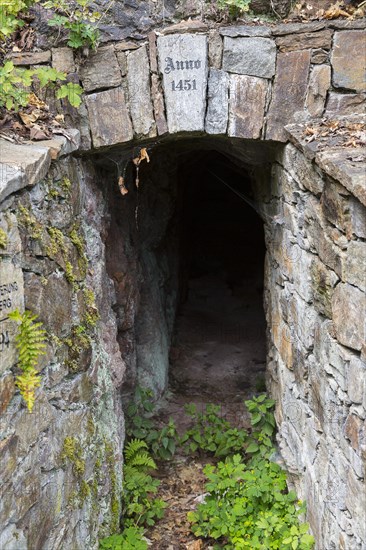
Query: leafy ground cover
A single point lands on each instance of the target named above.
(218, 487)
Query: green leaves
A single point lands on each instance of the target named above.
(30, 343)
(211, 432)
(77, 20)
(14, 81)
(72, 92)
(139, 508)
(139, 424)
(248, 507)
(130, 539)
(9, 20)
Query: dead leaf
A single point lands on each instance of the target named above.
(121, 185)
(29, 118)
(36, 102)
(37, 133)
(335, 11)
(194, 545)
(17, 126)
(60, 119)
(143, 155)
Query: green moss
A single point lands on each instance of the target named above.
(65, 185)
(84, 492)
(57, 242)
(76, 343)
(3, 239)
(58, 188)
(72, 452)
(30, 222)
(91, 315)
(78, 241)
(70, 277)
(90, 426)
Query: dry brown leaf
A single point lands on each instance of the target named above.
(29, 118)
(36, 102)
(60, 119)
(143, 155)
(37, 133)
(335, 11)
(121, 184)
(194, 545)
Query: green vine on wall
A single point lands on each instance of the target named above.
(30, 343)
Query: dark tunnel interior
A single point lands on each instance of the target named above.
(193, 244)
(219, 344)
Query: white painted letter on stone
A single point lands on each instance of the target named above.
(183, 64)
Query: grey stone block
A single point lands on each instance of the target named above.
(250, 56)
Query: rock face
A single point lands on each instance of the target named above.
(217, 108)
(51, 262)
(248, 96)
(347, 47)
(250, 56)
(183, 65)
(109, 119)
(289, 91)
(136, 90)
(138, 81)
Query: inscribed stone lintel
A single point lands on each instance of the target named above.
(183, 64)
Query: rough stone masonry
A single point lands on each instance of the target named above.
(252, 88)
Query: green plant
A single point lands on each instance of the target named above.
(79, 21)
(248, 506)
(141, 425)
(130, 539)
(235, 7)
(140, 509)
(10, 11)
(263, 425)
(211, 432)
(3, 239)
(30, 343)
(30, 222)
(15, 85)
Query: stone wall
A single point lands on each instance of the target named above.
(242, 81)
(60, 463)
(72, 249)
(315, 304)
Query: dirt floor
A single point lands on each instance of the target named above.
(218, 357)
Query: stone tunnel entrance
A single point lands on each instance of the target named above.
(196, 246)
(219, 341)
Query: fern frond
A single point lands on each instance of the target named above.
(142, 461)
(27, 384)
(133, 447)
(30, 343)
(30, 340)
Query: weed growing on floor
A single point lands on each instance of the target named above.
(141, 425)
(211, 433)
(247, 505)
(139, 508)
